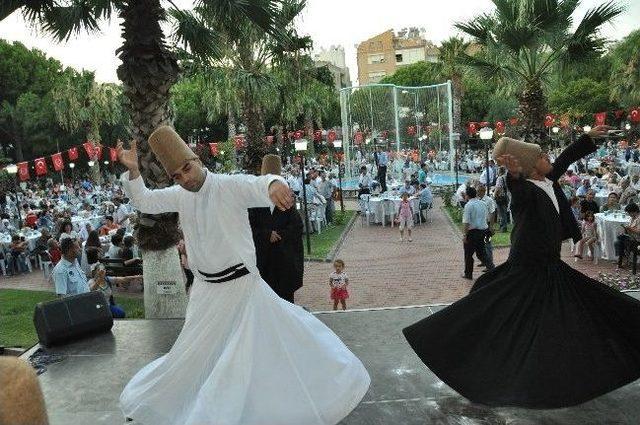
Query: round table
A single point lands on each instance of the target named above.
(375, 206)
(5, 239)
(601, 197)
(609, 227)
(78, 221)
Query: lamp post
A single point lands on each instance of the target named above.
(73, 174)
(338, 144)
(555, 130)
(12, 169)
(486, 134)
(301, 146)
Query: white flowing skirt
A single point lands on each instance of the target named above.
(245, 356)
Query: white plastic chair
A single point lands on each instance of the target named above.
(365, 212)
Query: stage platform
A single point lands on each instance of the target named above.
(83, 389)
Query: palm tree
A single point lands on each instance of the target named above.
(625, 71)
(524, 42)
(449, 56)
(79, 102)
(149, 67)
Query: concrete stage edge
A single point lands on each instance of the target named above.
(84, 388)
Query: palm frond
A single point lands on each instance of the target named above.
(595, 18)
(31, 9)
(260, 12)
(193, 33)
(479, 28)
(76, 17)
(489, 70)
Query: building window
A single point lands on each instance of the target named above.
(376, 58)
(399, 57)
(376, 75)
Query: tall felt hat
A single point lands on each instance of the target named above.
(170, 149)
(527, 154)
(271, 164)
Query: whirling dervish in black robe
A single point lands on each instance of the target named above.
(534, 332)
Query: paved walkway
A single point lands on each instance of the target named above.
(383, 272)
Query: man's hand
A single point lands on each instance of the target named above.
(128, 158)
(280, 195)
(275, 237)
(599, 131)
(511, 163)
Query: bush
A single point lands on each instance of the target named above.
(447, 194)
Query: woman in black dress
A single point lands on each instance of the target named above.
(534, 332)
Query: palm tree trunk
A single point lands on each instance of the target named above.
(308, 129)
(256, 147)
(279, 137)
(148, 71)
(532, 110)
(93, 135)
(231, 124)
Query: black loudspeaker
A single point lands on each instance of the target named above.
(72, 317)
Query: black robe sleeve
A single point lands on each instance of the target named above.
(576, 150)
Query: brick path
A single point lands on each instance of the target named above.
(383, 272)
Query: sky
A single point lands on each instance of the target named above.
(328, 22)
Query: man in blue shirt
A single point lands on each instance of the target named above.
(68, 277)
(383, 161)
(426, 198)
(475, 222)
(407, 188)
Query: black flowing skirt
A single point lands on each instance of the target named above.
(536, 336)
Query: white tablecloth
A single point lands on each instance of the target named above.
(601, 197)
(633, 168)
(96, 221)
(609, 227)
(31, 239)
(376, 204)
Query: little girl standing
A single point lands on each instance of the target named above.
(338, 282)
(405, 217)
(589, 234)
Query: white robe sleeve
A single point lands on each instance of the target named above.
(249, 191)
(150, 201)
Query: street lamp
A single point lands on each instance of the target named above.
(13, 170)
(90, 163)
(627, 126)
(301, 146)
(73, 174)
(586, 128)
(336, 145)
(555, 129)
(486, 134)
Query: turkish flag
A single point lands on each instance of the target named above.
(634, 115)
(385, 134)
(513, 121)
(239, 142)
(317, 135)
(98, 151)
(331, 136)
(269, 140)
(500, 127)
(214, 148)
(472, 128)
(56, 158)
(41, 167)
(23, 171)
(565, 120)
(484, 124)
(548, 120)
(601, 118)
(88, 147)
(359, 137)
(113, 154)
(73, 154)
(297, 135)
(411, 130)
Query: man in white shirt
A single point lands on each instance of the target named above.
(491, 209)
(121, 216)
(295, 182)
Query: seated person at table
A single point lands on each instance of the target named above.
(31, 220)
(407, 188)
(85, 229)
(53, 248)
(66, 231)
(127, 254)
(583, 189)
(588, 204)
(628, 192)
(42, 242)
(426, 198)
(68, 277)
(101, 282)
(108, 226)
(116, 246)
(44, 220)
(612, 203)
(628, 242)
(575, 208)
(19, 250)
(93, 247)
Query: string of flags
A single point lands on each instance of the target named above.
(41, 167)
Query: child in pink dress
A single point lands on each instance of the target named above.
(405, 217)
(589, 235)
(338, 282)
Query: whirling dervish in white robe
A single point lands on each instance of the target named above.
(244, 356)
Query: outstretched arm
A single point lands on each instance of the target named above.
(576, 150)
(252, 191)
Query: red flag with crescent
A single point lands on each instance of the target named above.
(472, 128)
(98, 151)
(41, 167)
(58, 164)
(549, 120)
(385, 134)
(213, 147)
(113, 154)
(513, 121)
(23, 171)
(297, 135)
(634, 115)
(600, 117)
(238, 142)
(317, 135)
(331, 136)
(88, 147)
(359, 137)
(500, 127)
(411, 130)
(269, 140)
(73, 153)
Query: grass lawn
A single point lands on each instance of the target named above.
(16, 314)
(323, 243)
(499, 238)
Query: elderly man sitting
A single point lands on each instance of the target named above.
(581, 192)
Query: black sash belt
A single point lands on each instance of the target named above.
(226, 275)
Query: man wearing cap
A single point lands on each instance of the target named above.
(277, 236)
(534, 332)
(244, 355)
